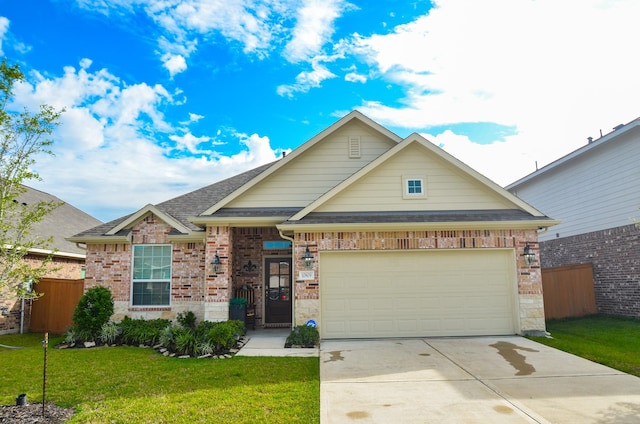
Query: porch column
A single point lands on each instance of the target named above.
(217, 284)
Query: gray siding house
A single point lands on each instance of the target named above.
(595, 192)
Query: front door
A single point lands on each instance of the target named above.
(278, 291)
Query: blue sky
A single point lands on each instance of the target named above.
(163, 97)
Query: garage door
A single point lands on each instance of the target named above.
(417, 293)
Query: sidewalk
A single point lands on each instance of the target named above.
(270, 342)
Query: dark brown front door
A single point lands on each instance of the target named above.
(278, 290)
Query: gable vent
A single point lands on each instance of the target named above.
(354, 147)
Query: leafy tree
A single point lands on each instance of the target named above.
(23, 136)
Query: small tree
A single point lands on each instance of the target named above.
(23, 135)
(93, 310)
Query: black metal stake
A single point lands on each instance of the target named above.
(44, 376)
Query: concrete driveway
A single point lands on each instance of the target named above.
(469, 380)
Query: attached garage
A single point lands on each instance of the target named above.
(418, 293)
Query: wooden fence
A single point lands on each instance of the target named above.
(53, 312)
(568, 291)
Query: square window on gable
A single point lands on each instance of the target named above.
(413, 187)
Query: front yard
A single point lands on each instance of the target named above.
(130, 384)
(611, 341)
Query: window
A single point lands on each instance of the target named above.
(414, 187)
(151, 282)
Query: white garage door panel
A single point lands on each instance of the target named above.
(417, 293)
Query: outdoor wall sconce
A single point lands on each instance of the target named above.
(529, 255)
(216, 264)
(307, 258)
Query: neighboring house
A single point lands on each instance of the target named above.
(366, 233)
(67, 261)
(595, 193)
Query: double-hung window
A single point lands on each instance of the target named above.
(151, 282)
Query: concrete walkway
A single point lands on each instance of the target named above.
(270, 342)
(469, 380)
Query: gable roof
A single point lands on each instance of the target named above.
(520, 215)
(355, 115)
(62, 222)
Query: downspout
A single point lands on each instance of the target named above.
(293, 273)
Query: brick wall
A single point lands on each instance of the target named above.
(110, 265)
(615, 256)
(529, 277)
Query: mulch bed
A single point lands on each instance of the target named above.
(32, 413)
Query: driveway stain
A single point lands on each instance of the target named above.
(336, 355)
(357, 415)
(503, 409)
(516, 360)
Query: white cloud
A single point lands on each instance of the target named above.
(557, 71)
(355, 77)
(308, 80)
(175, 64)
(313, 29)
(112, 152)
(4, 28)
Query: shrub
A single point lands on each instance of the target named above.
(303, 335)
(109, 332)
(141, 331)
(238, 327)
(92, 311)
(203, 328)
(223, 335)
(187, 320)
(186, 342)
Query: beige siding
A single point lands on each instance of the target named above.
(447, 188)
(316, 170)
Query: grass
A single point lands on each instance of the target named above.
(130, 384)
(611, 341)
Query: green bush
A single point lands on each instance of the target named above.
(109, 332)
(92, 311)
(186, 342)
(303, 335)
(187, 320)
(203, 328)
(141, 331)
(238, 327)
(223, 335)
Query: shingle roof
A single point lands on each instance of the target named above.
(417, 217)
(64, 221)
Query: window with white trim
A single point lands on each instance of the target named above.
(151, 280)
(413, 187)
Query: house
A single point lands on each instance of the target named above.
(364, 232)
(595, 192)
(67, 260)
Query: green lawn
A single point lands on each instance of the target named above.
(129, 384)
(610, 341)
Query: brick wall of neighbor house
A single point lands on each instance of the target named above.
(109, 265)
(531, 304)
(615, 256)
(248, 258)
(68, 268)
